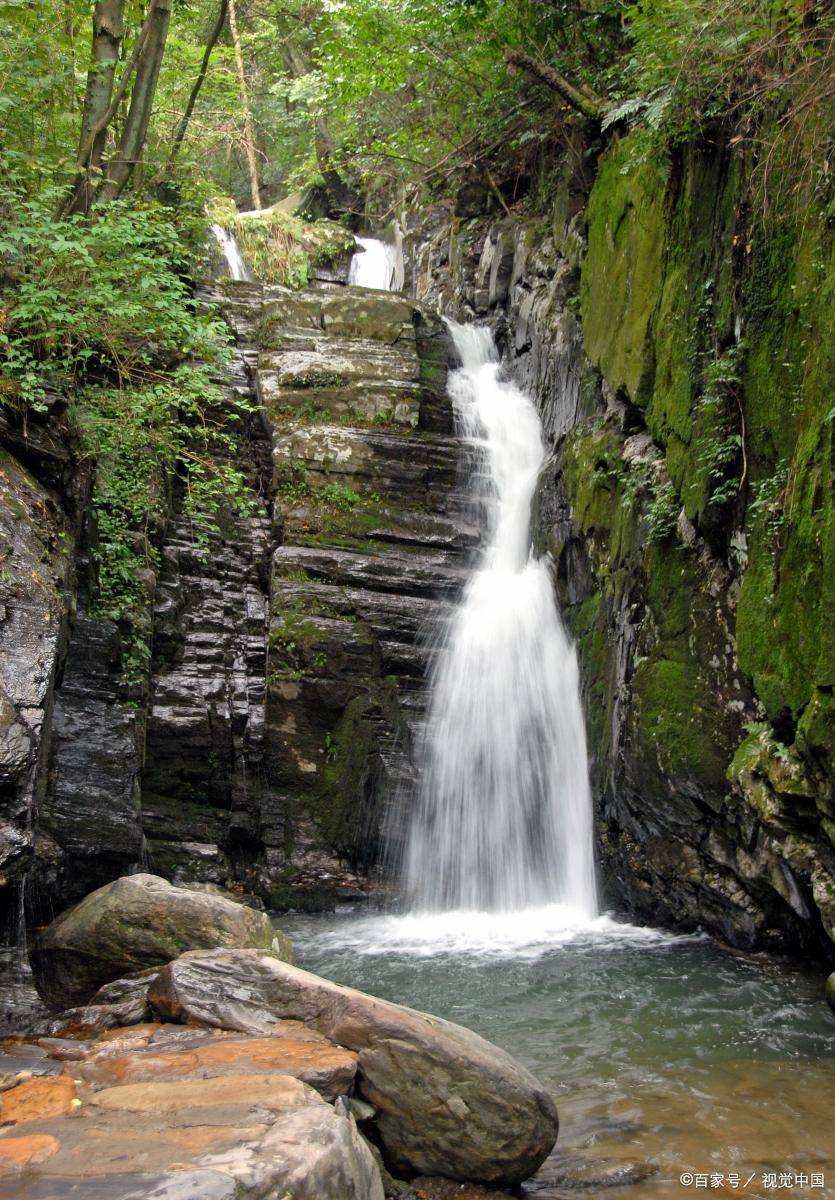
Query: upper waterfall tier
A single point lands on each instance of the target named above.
(374, 265)
(231, 252)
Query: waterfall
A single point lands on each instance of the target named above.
(503, 818)
(374, 265)
(229, 246)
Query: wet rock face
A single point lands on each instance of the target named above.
(446, 1101)
(353, 384)
(287, 665)
(286, 645)
(37, 524)
(133, 923)
(203, 784)
(94, 764)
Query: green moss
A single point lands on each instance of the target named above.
(302, 897)
(816, 733)
(772, 778)
(592, 464)
(785, 618)
(298, 645)
(682, 730)
(281, 248)
(666, 273)
(589, 625)
(622, 271)
(335, 799)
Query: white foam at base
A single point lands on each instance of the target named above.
(530, 933)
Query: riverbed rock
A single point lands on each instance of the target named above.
(830, 991)
(328, 1069)
(225, 1137)
(135, 922)
(448, 1102)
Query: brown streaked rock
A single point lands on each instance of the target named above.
(36, 1099)
(327, 1068)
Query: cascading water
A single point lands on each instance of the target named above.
(234, 259)
(374, 265)
(503, 819)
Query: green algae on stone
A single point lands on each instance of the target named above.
(622, 272)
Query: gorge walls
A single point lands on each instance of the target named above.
(679, 356)
(679, 351)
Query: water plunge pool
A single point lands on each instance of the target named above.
(665, 1053)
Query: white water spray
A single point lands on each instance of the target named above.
(503, 820)
(234, 259)
(374, 265)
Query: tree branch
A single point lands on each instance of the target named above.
(179, 136)
(586, 102)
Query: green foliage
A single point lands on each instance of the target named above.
(100, 310)
(339, 497)
(661, 502)
(768, 497)
(102, 297)
(662, 512)
(292, 481)
(280, 247)
(720, 443)
(761, 71)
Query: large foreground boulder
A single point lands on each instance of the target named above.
(447, 1102)
(136, 922)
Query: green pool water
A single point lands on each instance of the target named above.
(666, 1055)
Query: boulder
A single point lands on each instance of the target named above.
(830, 991)
(136, 922)
(447, 1102)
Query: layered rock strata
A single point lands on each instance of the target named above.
(273, 730)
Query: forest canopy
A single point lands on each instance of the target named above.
(390, 93)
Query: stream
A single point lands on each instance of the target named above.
(666, 1053)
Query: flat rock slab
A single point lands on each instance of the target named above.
(447, 1102)
(225, 1137)
(327, 1068)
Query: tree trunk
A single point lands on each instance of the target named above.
(120, 167)
(108, 31)
(249, 139)
(211, 42)
(585, 101)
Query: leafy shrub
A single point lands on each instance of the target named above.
(105, 298)
(339, 497)
(101, 310)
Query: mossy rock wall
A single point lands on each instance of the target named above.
(699, 485)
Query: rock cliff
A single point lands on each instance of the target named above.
(679, 352)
